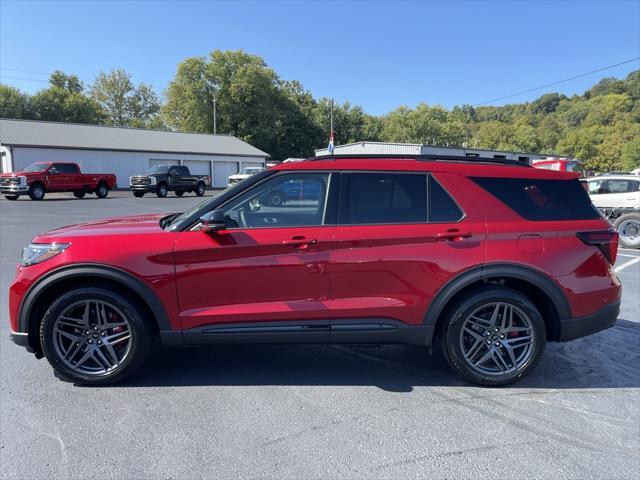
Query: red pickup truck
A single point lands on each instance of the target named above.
(41, 177)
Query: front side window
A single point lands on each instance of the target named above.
(288, 200)
(379, 198)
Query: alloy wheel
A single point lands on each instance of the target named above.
(497, 339)
(92, 337)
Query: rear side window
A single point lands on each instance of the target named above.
(540, 200)
(385, 198)
(442, 208)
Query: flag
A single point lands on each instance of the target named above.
(330, 148)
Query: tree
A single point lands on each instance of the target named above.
(631, 154)
(14, 103)
(64, 101)
(124, 103)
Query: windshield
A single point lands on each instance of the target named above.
(250, 170)
(36, 167)
(575, 167)
(156, 170)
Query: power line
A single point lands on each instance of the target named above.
(23, 78)
(556, 83)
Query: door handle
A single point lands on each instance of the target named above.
(300, 242)
(452, 235)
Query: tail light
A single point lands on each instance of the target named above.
(605, 240)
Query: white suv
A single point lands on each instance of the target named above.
(618, 196)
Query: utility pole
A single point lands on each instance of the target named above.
(215, 129)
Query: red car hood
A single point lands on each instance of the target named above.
(131, 225)
(18, 174)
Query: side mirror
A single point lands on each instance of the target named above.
(213, 221)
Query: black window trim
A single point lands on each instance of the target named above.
(344, 186)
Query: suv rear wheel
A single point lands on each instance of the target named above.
(493, 337)
(93, 336)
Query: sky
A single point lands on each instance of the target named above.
(372, 53)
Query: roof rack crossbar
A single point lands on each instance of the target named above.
(423, 158)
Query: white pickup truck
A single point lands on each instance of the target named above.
(618, 197)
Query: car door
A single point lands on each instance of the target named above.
(57, 178)
(265, 272)
(400, 237)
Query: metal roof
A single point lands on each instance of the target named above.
(30, 133)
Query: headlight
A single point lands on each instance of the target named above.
(22, 179)
(39, 252)
(153, 180)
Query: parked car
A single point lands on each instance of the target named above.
(169, 178)
(618, 198)
(243, 174)
(485, 260)
(41, 178)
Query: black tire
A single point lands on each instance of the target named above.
(79, 194)
(102, 190)
(275, 199)
(162, 190)
(453, 340)
(141, 339)
(179, 193)
(628, 227)
(11, 197)
(200, 189)
(138, 194)
(36, 191)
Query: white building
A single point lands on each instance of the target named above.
(383, 148)
(123, 151)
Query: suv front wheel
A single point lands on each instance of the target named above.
(494, 336)
(93, 336)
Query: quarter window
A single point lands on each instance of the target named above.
(288, 200)
(374, 198)
(442, 208)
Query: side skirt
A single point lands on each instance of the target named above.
(375, 331)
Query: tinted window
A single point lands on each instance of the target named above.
(158, 170)
(182, 171)
(284, 201)
(66, 168)
(537, 199)
(385, 198)
(442, 207)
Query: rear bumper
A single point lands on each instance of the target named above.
(572, 328)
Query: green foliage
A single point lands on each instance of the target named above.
(123, 103)
(631, 154)
(14, 103)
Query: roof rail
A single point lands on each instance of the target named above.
(422, 158)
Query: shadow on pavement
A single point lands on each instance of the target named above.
(610, 359)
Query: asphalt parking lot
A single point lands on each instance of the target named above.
(314, 411)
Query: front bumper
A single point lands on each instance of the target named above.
(572, 328)
(14, 189)
(143, 188)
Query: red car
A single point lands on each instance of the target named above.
(488, 261)
(41, 177)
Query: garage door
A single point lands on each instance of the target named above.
(198, 167)
(252, 164)
(154, 162)
(221, 172)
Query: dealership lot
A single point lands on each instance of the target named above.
(314, 411)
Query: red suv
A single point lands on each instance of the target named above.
(486, 260)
